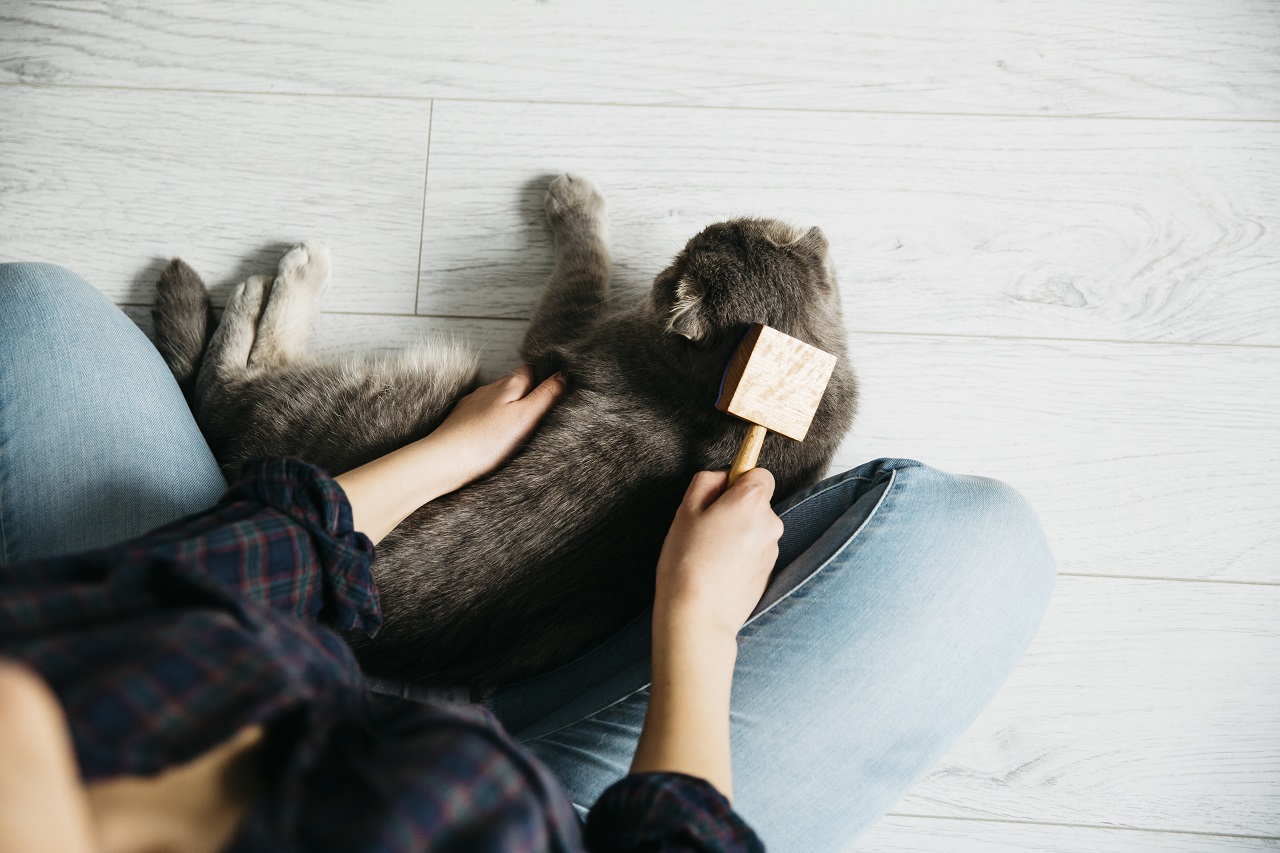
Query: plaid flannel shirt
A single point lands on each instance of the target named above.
(165, 646)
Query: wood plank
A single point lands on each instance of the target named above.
(1149, 460)
(1080, 228)
(113, 183)
(1141, 703)
(1087, 57)
(900, 834)
(1156, 461)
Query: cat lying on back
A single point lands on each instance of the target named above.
(536, 562)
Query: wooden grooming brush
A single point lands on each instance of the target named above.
(774, 382)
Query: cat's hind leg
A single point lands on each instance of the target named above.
(183, 320)
(292, 303)
(227, 356)
(578, 291)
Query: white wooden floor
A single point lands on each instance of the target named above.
(1058, 231)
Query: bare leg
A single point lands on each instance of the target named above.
(42, 803)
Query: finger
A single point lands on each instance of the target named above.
(541, 399)
(757, 482)
(776, 529)
(704, 489)
(518, 382)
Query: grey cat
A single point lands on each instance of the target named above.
(536, 562)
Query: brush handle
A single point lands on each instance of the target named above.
(748, 453)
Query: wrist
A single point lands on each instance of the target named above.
(437, 469)
(384, 492)
(690, 623)
(686, 726)
(688, 642)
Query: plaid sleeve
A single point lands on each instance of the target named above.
(281, 536)
(411, 777)
(163, 646)
(666, 812)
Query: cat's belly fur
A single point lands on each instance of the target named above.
(551, 553)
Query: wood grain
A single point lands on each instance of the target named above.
(748, 452)
(776, 381)
(1086, 57)
(1141, 703)
(898, 834)
(114, 184)
(1109, 230)
(1158, 461)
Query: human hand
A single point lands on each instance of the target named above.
(483, 430)
(713, 569)
(718, 555)
(487, 426)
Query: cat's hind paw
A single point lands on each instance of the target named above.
(306, 266)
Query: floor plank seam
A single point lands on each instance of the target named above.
(1160, 579)
(422, 224)
(1062, 340)
(866, 332)
(637, 105)
(1103, 826)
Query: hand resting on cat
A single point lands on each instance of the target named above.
(484, 429)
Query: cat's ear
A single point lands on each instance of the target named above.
(686, 317)
(814, 241)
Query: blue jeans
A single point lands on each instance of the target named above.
(903, 596)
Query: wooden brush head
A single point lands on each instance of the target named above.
(776, 381)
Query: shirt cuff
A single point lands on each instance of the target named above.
(667, 811)
(315, 501)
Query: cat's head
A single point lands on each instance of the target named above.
(746, 271)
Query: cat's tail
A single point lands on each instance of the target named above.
(183, 317)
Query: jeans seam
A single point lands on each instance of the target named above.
(839, 482)
(4, 535)
(835, 485)
(893, 476)
(4, 539)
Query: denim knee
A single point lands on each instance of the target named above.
(29, 271)
(985, 516)
(25, 284)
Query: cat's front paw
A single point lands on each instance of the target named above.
(574, 202)
(306, 266)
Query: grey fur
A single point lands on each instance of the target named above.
(551, 553)
(183, 318)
